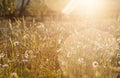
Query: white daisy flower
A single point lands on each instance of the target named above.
(80, 60)
(95, 64)
(2, 55)
(119, 62)
(14, 74)
(26, 55)
(5, 65)
(16, 43)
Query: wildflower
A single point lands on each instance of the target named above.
(16, 43)
(80, 60)
(118, 55)
(119, 62)
(5, 65)
(26, 55)
(2, 55)
(95, 64)
(14, 74)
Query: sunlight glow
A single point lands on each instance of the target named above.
(69, 7)
(85, 6)
(90, 5)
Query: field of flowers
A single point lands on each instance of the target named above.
(83, 48)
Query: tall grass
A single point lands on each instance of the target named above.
(88, 54)
(29, 51)
(59, 49)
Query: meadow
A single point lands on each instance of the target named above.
(65, 48)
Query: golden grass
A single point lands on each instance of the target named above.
(59, 49)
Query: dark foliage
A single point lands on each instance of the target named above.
(10, 8)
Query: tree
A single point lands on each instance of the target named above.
(23, 6)
(10, 8)
(7, 7)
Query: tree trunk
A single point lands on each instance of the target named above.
(23, 7)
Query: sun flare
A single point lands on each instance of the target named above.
(84, 6)
(90, 5)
